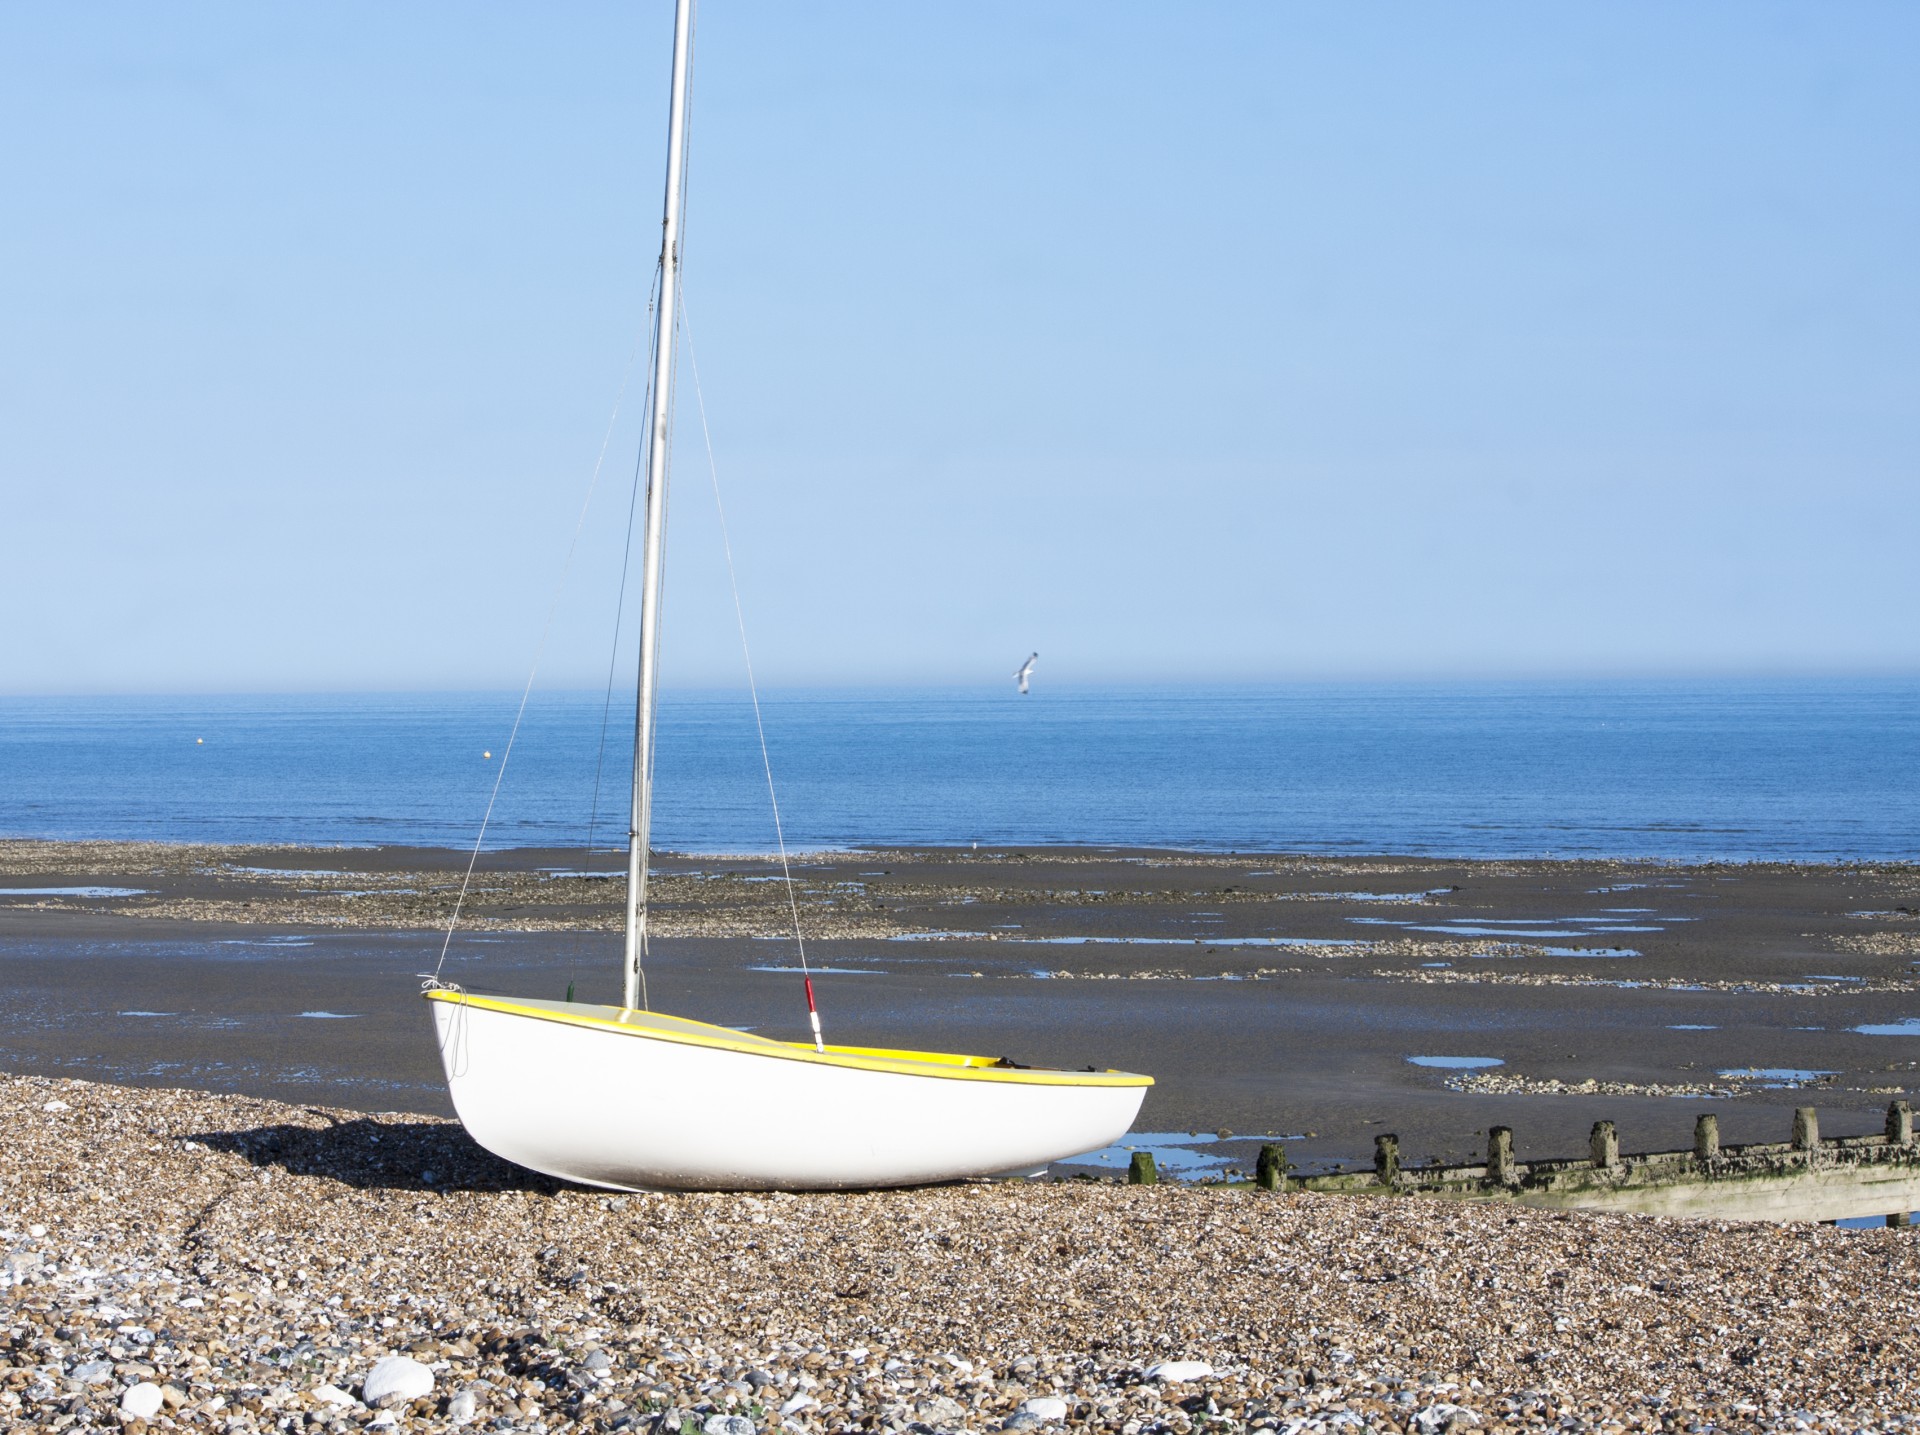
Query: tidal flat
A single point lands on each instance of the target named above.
(1322, 1000)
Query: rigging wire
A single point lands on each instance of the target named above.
(613, 662)
(539, 652)
(753, 690)
(619, 617)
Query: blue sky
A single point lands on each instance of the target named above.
(1204, 341)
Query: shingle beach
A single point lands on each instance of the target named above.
(184, 1260)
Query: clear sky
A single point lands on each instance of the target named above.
(1196, 341)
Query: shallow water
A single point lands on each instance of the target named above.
(823, 971)
(1774, 1077)
(1003, 937)
(289, 871)
(1532, 931)
(1172, 1151)
(72, 892)
(1389, 897)
(1456, 1063)
(1906, 1026)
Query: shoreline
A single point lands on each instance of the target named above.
(989, 851)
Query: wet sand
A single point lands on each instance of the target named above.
(1268, 995)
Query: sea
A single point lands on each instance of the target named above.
(1742, 771)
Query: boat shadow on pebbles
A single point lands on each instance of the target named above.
(395, 1154)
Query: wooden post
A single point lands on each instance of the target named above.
(1141, 1171)
(1806, 1128)
(1604, 1143)
(1386, 1158)
(1500, 1156)
(1706, 1137)
(1270, 1170)
(1899, 1123)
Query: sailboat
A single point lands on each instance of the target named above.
(628, 1098)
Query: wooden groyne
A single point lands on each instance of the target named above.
(1801, 1179)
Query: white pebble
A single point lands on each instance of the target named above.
(1180, 1370)
(1436, 1417)
(395, 1381)
(1045, 1407)
(56, 1105)
(142, 1401)
(941, 1411)
(727, 1425)
(463, 1408)
(798, 1403)
(332, 1395)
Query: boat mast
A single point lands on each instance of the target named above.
(657, 456)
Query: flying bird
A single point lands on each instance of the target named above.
(1026, 671)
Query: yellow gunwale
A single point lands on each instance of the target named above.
(936, 1064)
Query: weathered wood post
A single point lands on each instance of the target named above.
(1899, 1123)
(1386, 1158)
(1706, 1137)
(1900, 1133)
(1141, 1171)
(1270, 1170)
(1604, 1143)
(1500, 1156)
(1806, 1128)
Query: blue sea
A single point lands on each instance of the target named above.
(1751, 770)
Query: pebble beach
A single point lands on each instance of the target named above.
(183, 1260)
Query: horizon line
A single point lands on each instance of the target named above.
(1426, 679)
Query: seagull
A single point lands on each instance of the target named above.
(1026, 671)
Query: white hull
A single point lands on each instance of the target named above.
(632, 1100)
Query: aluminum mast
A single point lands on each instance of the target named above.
(657, 456)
